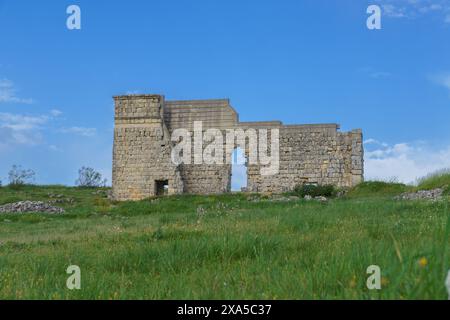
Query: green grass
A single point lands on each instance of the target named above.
(439, 179)
(225, 247)
(378, 189)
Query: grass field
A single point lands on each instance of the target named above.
(225, 247)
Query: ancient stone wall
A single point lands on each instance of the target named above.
(311, 154)
(142, 149)
(213, 114)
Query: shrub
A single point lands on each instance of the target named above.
(19, 177)
(315, 190)
(89, 178)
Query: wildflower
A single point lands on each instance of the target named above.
(423, 262)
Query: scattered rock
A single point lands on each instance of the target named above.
(103, 193)
(53, 195)
(281, 198)
(275, 197)
(433, 195)
(60, 201)
(321, 199)
(201, 212)
(341, 193)
(30, 206)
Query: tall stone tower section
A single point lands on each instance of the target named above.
(142, 165)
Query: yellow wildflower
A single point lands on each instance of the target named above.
(423, 262)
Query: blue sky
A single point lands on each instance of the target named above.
(306, 61)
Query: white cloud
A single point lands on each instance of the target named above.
(8, 93)
(10, 137)
(28, 130)
(393, 11)
(21, 129)
(55, 112)
(443, 80)
(52, 147)
(406, 162)
(85, 132)
(374, 141)
(414, 8)
(21, 122)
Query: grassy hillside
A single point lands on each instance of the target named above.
(222, 247)
(378, 189)
(439, 179)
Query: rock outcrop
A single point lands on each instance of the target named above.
(434, 195)
(30, 206)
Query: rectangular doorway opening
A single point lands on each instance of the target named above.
(162, 187)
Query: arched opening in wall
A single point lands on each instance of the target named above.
(238, 170)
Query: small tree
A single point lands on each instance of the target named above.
(88, 177)
(19, 177)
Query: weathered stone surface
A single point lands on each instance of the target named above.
(59, 199)
(434, 195)
(318, 154)
(30, 206)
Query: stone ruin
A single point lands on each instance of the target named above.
(143, 167)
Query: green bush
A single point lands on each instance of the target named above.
(315, 190)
